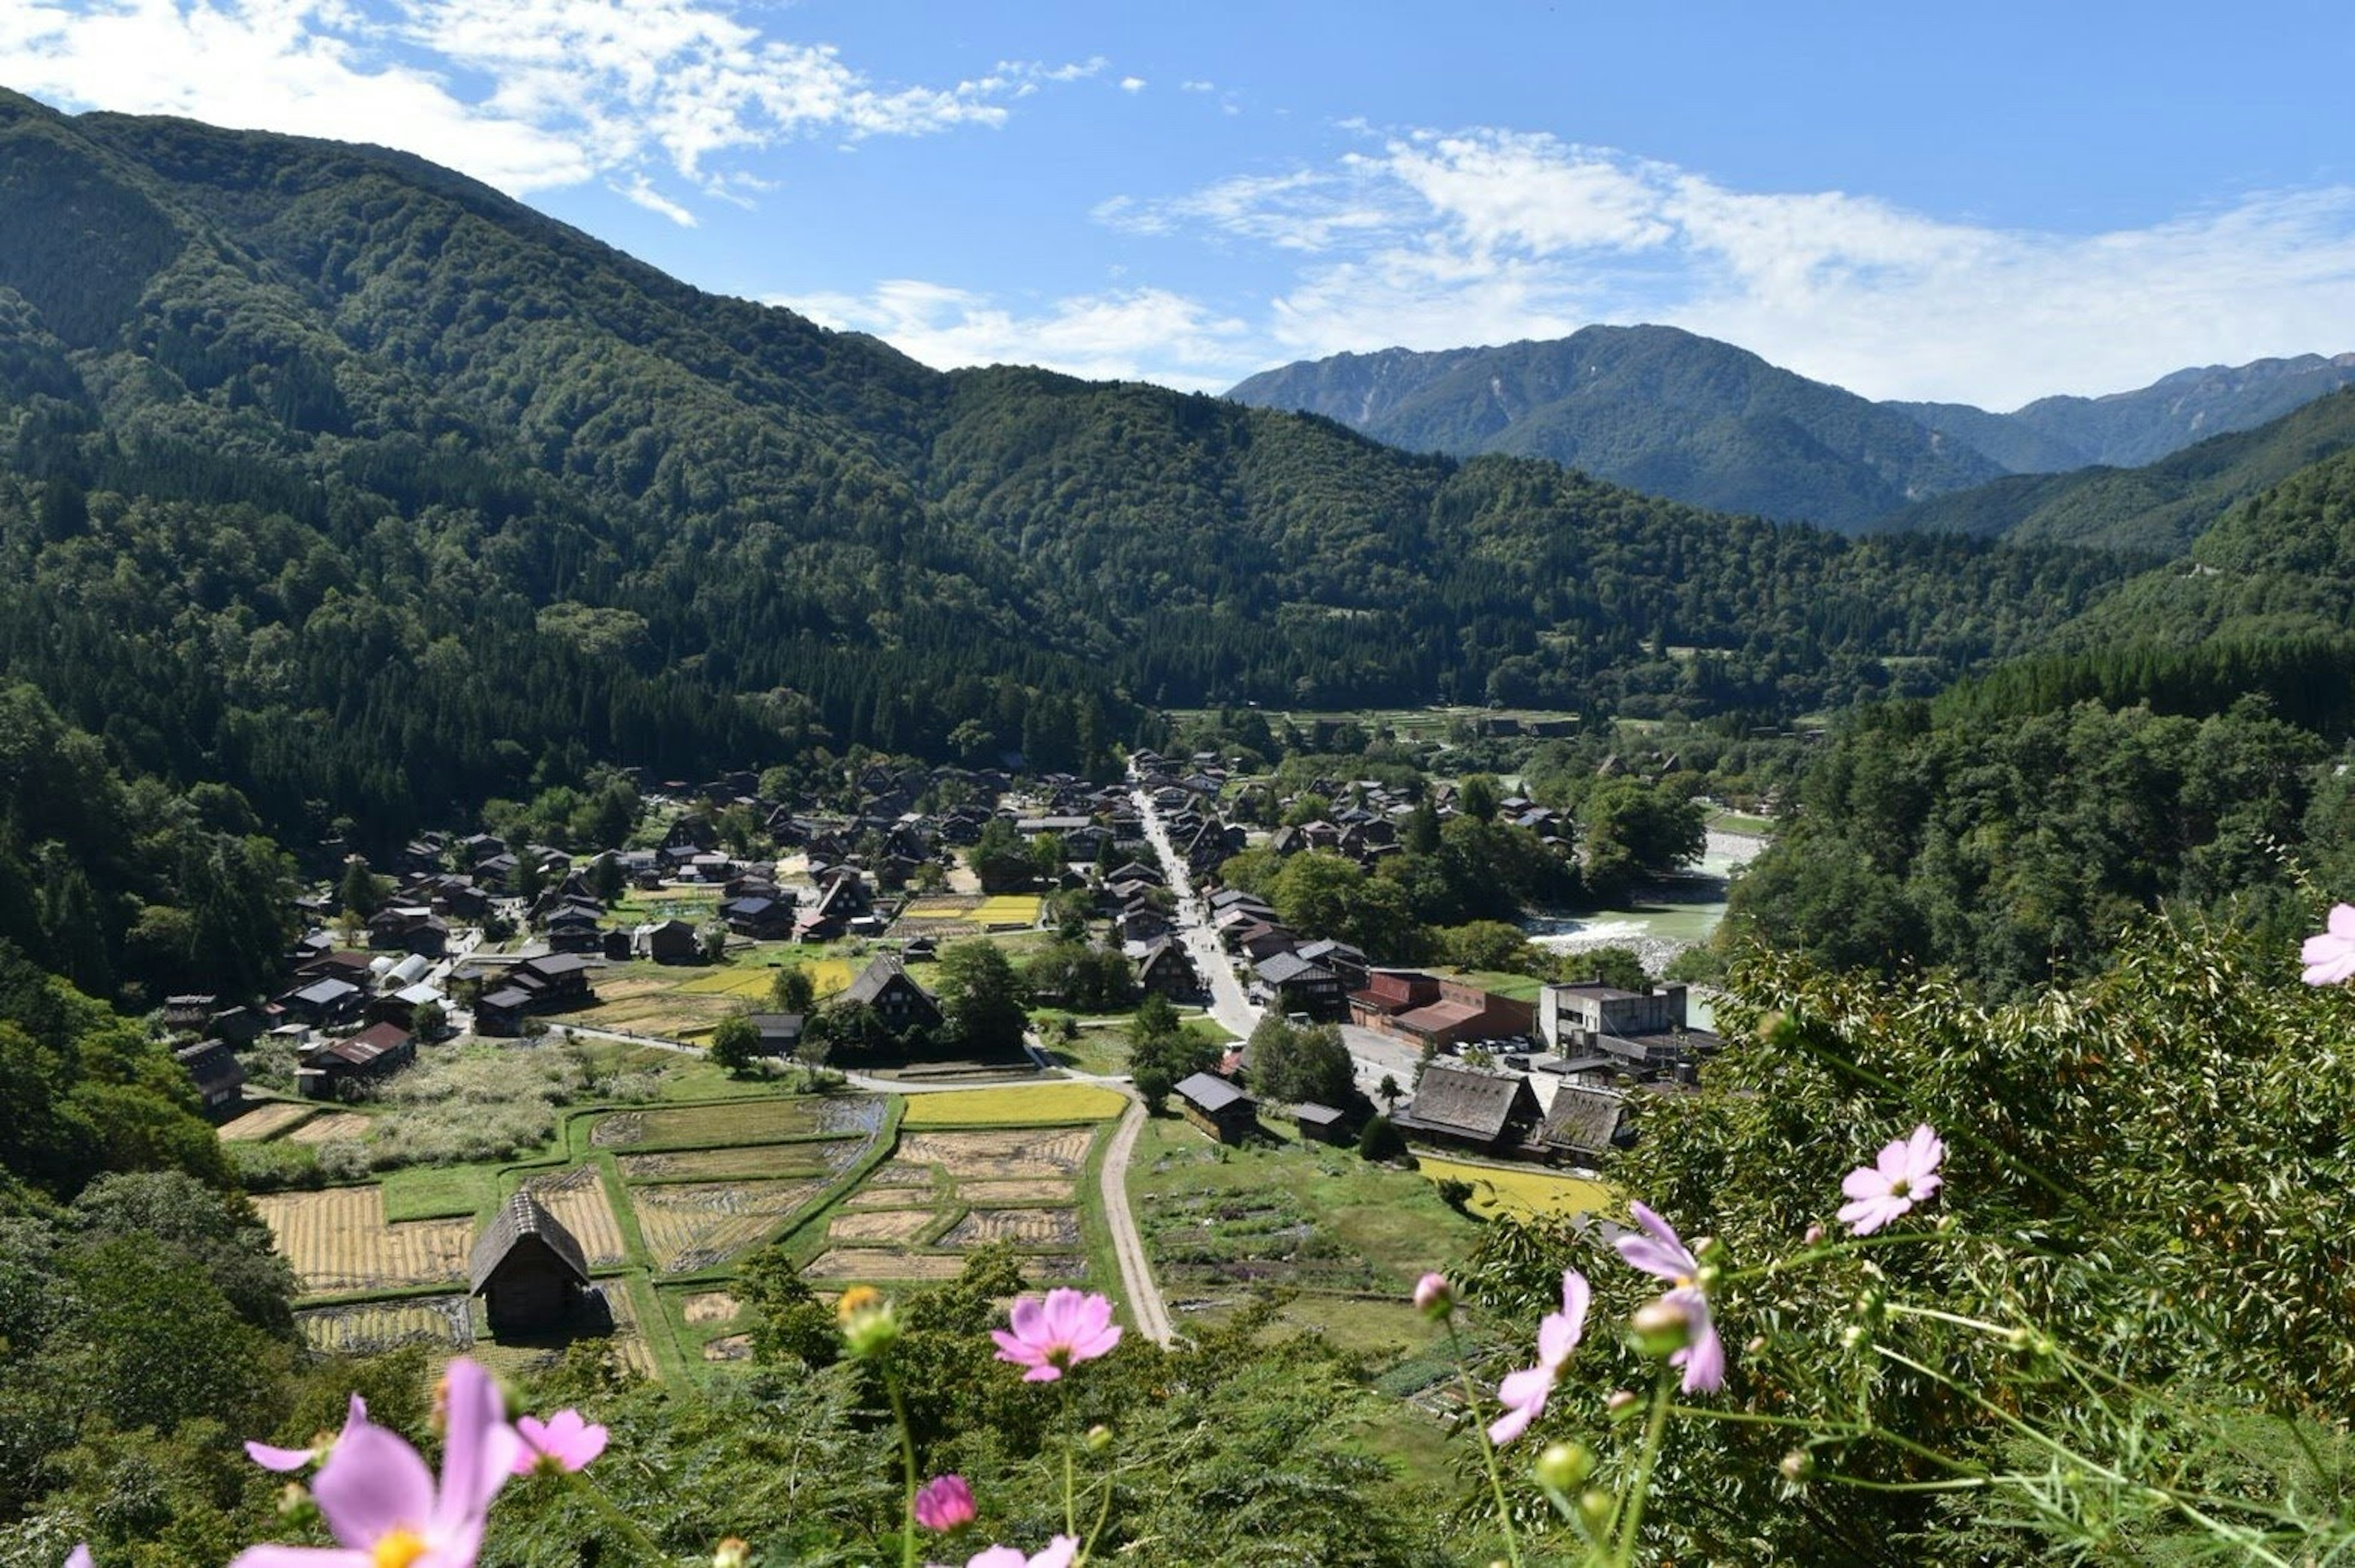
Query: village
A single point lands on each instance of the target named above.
(752, 1039)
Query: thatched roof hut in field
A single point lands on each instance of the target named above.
(528, 1267)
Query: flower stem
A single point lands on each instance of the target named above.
(1487, 1449)
(1655, 1428)
(907, 1473)
(1071, 1442)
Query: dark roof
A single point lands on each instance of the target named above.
(1467, 1104)
(1290, 968)
(377, 1040)
(1210, 1093)
(880, 971)
(212, 1064)
(523, 1217)
(1585, 1120)
(1310, 1113)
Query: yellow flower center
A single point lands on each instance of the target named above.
(399, 1548)
(859, 1298)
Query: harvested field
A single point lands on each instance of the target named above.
(741, 1122)
(338, 1241)
(263, 1121)
(1022, 1105)
(373, 1326)
(341, 1124)
(886, 1195)
(881, 1225)
(733, 1347)
(891, 1174)
(858, 1265)
(801, 1159)
(690, 1227)
(1023, 1227)
(1019, 1152)
(709, 1306)
(1015, 1191)
(578, 1199)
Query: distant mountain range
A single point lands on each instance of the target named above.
(1686, 417)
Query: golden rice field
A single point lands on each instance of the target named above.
(743, 983)
(690, 1227)
(578, 1199)
(338, 1242)
(1030, 1105)
(264, 1122)
(1012, 1153)
(340, 1124)
(1530, 1191)
(370, 1327)
(942, 907)
(1009, 912)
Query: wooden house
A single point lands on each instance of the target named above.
(528, 1268)
(1491, 1112)
(1299, 986)
(1166, 970)
(1587, 1123)
(1218, 1108)
(904, 1007)
(377, 1051)
(219, 1075)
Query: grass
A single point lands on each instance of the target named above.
(441, 1192)
(1522, 1191)
(746, 1122)
(1740, 822)
(1025, 1104)
(1513, 987)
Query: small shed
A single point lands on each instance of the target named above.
(1323, 1124)
(527, 1266)
(1218, 1108)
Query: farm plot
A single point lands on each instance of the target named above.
(818, 1157)
(742, 984)
(1023, 1105)
(338, 1242)
(692, 1226)
(1022, 1227)
(577, 1198)
(264, 1122)
(368, 1327)
(741, 1122)
(656, 1005)
(340, 1126)
(1006, 1154)
(993, 1192)
(1009, 912)
(881, 1225)
(708, 1307)
(608, 1313)
(1522, 1191)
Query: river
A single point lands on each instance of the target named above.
(1670, 916)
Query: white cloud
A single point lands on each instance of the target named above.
(1439, 240)
(1137, 335)
(640, 191)
(1197, 87)
(1132, 84)
(526, 94)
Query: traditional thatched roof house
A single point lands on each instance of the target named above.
(528, 1267)
(219, 1075)
(1493, 1113)
(1166, 970)
(897, 1000)
(1218, 1108)
(1587, 1123)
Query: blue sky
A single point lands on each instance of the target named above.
(1983, 203)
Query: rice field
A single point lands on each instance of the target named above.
(578, 1199)
(708, 1307)
(1027, 1104)
(1014, 1153)
(1001, 1192)
(744, 984)
(860, 1265)
(1009, 912)
(1022, 1227)
(338, 1242)
(265, 1120)
(337, 1125)
(881, 1225)
(740, 1122)
(370, 1327)
(768, 1160)
(1530, 1191)
(693, 1226)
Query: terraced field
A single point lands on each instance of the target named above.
(694, 1225)
(741, 1122)
(578, 1199)
(1024, 1105)
(264, 1122)
(962, 1189)
(771, 1160)
(370, 1327)
(339, 1242)
(333, 1127)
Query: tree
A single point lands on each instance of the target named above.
(427, 1023)
(712, 939)
(1380, 1139)
(360, 893)
(1620, 968)
(1389, 1092)
(607, 880)
(1479, 797)
(1291, 1064)
(788, 1320)
(736, 1044)
(792, 991)
(981, 999)
(1162, 1052)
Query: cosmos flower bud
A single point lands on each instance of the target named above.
(1594, 1510)
(1099, 1438)
(1798, 1467)
(1661, 1327)
(1621, 1403)
(868, 1324)
(1433, 1297)
(1815, 1233)
(1564, 1465)
(732, 1553)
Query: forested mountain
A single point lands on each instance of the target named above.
(2158, 508)
(342, 480)
(2124, 429)
(1653, 407)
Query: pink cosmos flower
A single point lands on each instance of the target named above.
(1432, 1292)
(381, 1502)
(1070, 1328)
(944, 1502)
(1662, 1254)
(79, 1557)
(1524, 1393)
(1058, 1554)
(1906, 1174)
(563, 1442)
(285, 1459)
(2330, 957)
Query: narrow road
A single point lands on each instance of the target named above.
(1228, 1006)
(1150, 1313)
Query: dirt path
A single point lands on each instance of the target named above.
(1145, 1306)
